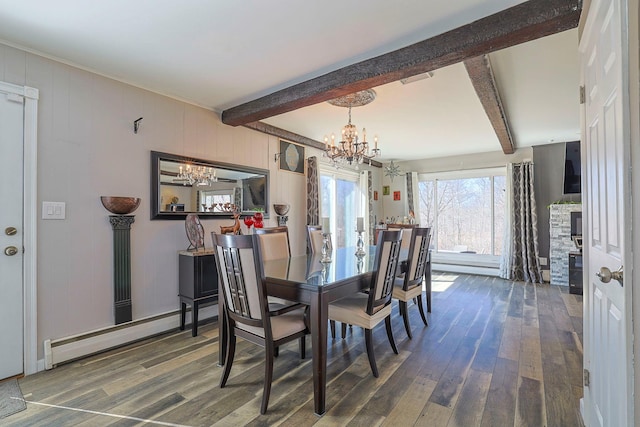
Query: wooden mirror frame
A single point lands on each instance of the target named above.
(156, 186)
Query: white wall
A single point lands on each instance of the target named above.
(87, 149)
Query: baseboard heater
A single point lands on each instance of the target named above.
(466, 269)
(77, 346)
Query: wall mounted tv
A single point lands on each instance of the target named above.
(572, 168)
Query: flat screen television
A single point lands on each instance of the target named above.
(572, 168)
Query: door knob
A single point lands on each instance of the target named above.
(605, 275)
(10, 231)
(10, 250)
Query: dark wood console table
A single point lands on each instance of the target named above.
(198, 283)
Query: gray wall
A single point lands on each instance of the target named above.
(549, 174)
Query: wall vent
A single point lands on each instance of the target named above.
(417, 77)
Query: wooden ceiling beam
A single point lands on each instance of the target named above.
(292, 137)
(521, 23)
(479, 70)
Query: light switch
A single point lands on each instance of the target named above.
(53, 210)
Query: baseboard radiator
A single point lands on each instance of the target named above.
(77, 346)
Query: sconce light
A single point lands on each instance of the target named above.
(136, 125)
(276, 157)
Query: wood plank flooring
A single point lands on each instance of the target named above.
(495, 353)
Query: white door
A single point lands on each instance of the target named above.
(11, 235)
(608, 393)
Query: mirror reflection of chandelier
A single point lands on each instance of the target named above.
(198, 175)
(350, 148)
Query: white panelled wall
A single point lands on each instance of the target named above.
(87, 149)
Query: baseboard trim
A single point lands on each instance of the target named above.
(466, 269)
(77, 346)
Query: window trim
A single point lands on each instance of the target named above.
(481, 260)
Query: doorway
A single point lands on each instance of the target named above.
(18, 304)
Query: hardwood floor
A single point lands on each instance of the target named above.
(495, 353)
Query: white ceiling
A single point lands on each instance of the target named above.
(219, 54)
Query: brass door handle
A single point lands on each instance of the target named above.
(605, 275)
(10, 250)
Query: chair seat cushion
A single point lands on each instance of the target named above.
(281, 326)
(352, 310)
(408, 295)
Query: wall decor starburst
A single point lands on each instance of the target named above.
(392, 171)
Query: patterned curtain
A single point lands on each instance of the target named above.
(410, 192)
(372, 217)
(520, 258)
(313, 185)
(237, 197)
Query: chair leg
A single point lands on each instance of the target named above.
(428, 290)
(268, 377)
(405, 317)
(303, 347)
(231, 350)
(387, 323)
(276, 352)
(344, 330)
(421, 308)
(368, 338)
(332, 326)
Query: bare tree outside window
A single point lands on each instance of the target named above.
(467, 214)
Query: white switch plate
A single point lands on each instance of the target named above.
(53, 210)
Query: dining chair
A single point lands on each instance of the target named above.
(315, 239)
(408, 286)
(247, 314)
(368, 310)
(274, 242)
(407, 231)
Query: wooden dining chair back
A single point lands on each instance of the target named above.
(408, 286)
(384, 271)
(315, 239)
(274, 242)
(246, 309)
(368, 310)
(407, 231)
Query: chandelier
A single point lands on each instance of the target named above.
(351, 149)
(198, 175)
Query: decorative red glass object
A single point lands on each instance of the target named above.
(258, 217)
(248, 221)
(258, 224)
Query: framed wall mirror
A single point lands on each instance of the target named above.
(182, 185)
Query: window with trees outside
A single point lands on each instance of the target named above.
(465, 210)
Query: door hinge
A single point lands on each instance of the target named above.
(585, 377)
(582, 95)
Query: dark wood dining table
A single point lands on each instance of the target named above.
(306, 280)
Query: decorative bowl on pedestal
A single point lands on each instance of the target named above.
(120, 205)
(281, 208)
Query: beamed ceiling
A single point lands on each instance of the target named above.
(504, 73)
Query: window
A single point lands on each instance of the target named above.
(465, 210)
(342, 200)
(208, 199)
